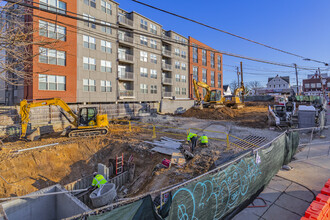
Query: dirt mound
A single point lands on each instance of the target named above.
(208, 113)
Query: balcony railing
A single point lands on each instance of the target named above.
(126, 93)
(125, 39)
(167, 94)
(166, 66)
(167, 80)
(126, 75)
(167, 53)
(125, 57)
(124, 20)
(166, 37)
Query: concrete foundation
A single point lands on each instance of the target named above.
(44, 207)
(175, 106)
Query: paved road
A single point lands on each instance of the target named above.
(289, 194)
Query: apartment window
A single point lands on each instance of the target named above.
(143, 56)
(219, 62)
(177, 77)
(50, 56)
(204, 72)
(106, 46)
(177, 90)
(204, 57)
(153, 58)
(177, 38)
(144, 72)
(307, 85)
(195, 73)
(318, 85)
(177, 65)
(89, 63)
(183, 91)
(143, 40)
(53, 5)
(177, 52)
(90, 21)
(106, 7)
(106, 86)
(195, 54)
(183, 78)
(212, 79)
(183, 66)
(183, 54)
(153, 44)
(106, 27)
(153, 89)
(89, 42)
(219, 80)
(92, 3)
(144, 24)
(212, 60)
(312, 85)
(50, 30)
(52, 82)
(144, 88)
(153, 74)
(89, 85)
(106, 66)
(153, 28)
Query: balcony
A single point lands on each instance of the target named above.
(126, 76)
(125, 21)
(126, 94)
(164, 37)
(167, 53)
(167, 80)
(167, 95)
(125, 57)
(125, 39)
(166, 66)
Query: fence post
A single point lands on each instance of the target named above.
(129, 126)
(227, 140)
(153, 131)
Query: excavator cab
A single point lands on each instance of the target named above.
(87, 116)
(215, 96)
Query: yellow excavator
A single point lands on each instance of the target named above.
(86, 123)
(213, 98)
(235, 100)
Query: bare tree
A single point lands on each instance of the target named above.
(253, 84)
(233, 85)
(19, 44)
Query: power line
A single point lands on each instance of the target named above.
(151, 35)
(226, 32)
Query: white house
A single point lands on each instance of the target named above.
(226, 90)
(278, 82)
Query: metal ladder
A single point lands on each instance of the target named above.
(119, 164)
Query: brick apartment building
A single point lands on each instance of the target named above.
(313, 85)
(112, 56)
(205, 66)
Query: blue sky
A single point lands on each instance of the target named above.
(298, 26)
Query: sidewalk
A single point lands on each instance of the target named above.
(285, 198)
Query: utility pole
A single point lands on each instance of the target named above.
(237, 76)
(295, 66)
(321, 84)
(242, 84)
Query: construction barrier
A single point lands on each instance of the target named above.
(320, 207)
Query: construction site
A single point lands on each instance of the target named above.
(140, 155)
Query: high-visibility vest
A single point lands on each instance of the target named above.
(99, 180)
(204, 139)
(191, 135)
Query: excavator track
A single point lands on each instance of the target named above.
(88, 132)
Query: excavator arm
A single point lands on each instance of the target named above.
(25, 111)
(202, 85)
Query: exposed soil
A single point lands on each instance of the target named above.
(250, 116)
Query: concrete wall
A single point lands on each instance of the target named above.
(175, 106)
(45, 207)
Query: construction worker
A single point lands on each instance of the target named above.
(204, 140)
(193, 139)
(98, 180)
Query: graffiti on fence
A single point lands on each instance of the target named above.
(217, 195)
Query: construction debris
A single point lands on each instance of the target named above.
(178, 159)
(166, 145)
